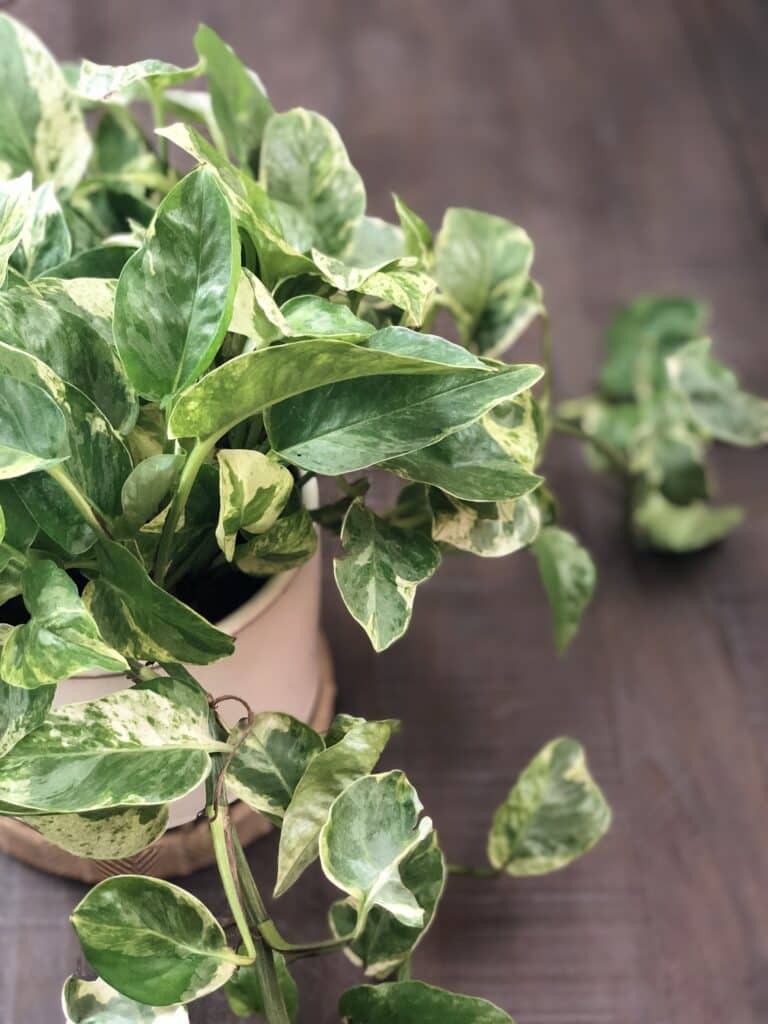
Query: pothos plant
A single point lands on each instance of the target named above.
(179, 355)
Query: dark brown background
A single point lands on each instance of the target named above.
(631, 140)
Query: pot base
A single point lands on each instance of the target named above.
(180, 851)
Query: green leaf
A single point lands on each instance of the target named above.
(413, 1002)
(404, 287)
(47, 325)
(152, 941)
(716, 402)
(255, 313)
(16, 536)
(95, 1002)
(477, 463)
(309, 316)
(104, 261)
(244, 994)
(490, 530)
(385, 943)
(110, 834)
(240, 104)
(147, 487)
(304, 164)
(418, 237)
(287, 544)
(144, 621)
(124, 160)
(482, 265)
(639, 339)
(15, 200)
(45, 240)
(660, 524)
(375, 240)
(175, 295)
(250, 383)
(142, 746)
(21, 712)
(568, 574)
(91, 298)
(328, 774)
(372, 827)
(60, 640)
(553, 814)
(44, 131)
(104, 82)
(346, 277)
(253, 491)
(350, 425)
(33, 431)
(271, 760)
(378, 578)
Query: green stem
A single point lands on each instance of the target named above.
(192, 467)
(274, 939)
(79, 500)
(607, 450)
(157, 101)
(470, 872)
(219, 822)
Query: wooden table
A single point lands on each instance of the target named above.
(631, 140)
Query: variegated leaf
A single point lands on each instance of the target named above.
(110, 834)
(255, 314)
(309, 316)
(96, 1002)
(15, 201)
(661, 524)
(152, 941)
(375, 240)
(105, 82)
(487, 529)
(253, 491)
(45, 241)
(413, 1002)
(21, 712)
(568, 574)
(416, 232)
(147, 486)
(33, 431)
(288, 543)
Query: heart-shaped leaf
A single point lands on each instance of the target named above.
(660, 524)
(354, 752)
(145, 621)
(110, 834)
(33, 431)
(60, 640)
(253, 491)
(309, 316)
(270, 762)
(379, 576)
(138, 747)
(152, 941)
(568, 574)
(305, 165)
(413, 1002)
(95, 1002)
(553, 814)
(175, 295)
(372, 827)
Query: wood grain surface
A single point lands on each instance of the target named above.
(631, 141)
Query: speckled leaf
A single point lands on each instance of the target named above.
(716, 402)
(304, 164)
(568, 574)
(104, 835)
(414, 1002)
(255, 314)
(252, 382)
(18, 532)
(553, 814)
(253, 490)
(378, 577)
(147, 486)
(45, 241)
(482, 264)
(270, 762)
(33, 431)
(144, 621)
(152, 941)
(345, 276)
(21, 712)
(44, 131)
(309, 316)
(15, 200)
(385, 943)
(487, 529)
(328, 774)
(95, 1002)
(660, 524)
(74, 348)
(372, 827)
(418, 237)
(244, 993)
(92, 298)
(350, 425)
(404, 287)
(290, 542)
(175, 295)
(60, 640)
(141, 746)
(375, 240)
(477, 463)
(240, 105)
(104, 82)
